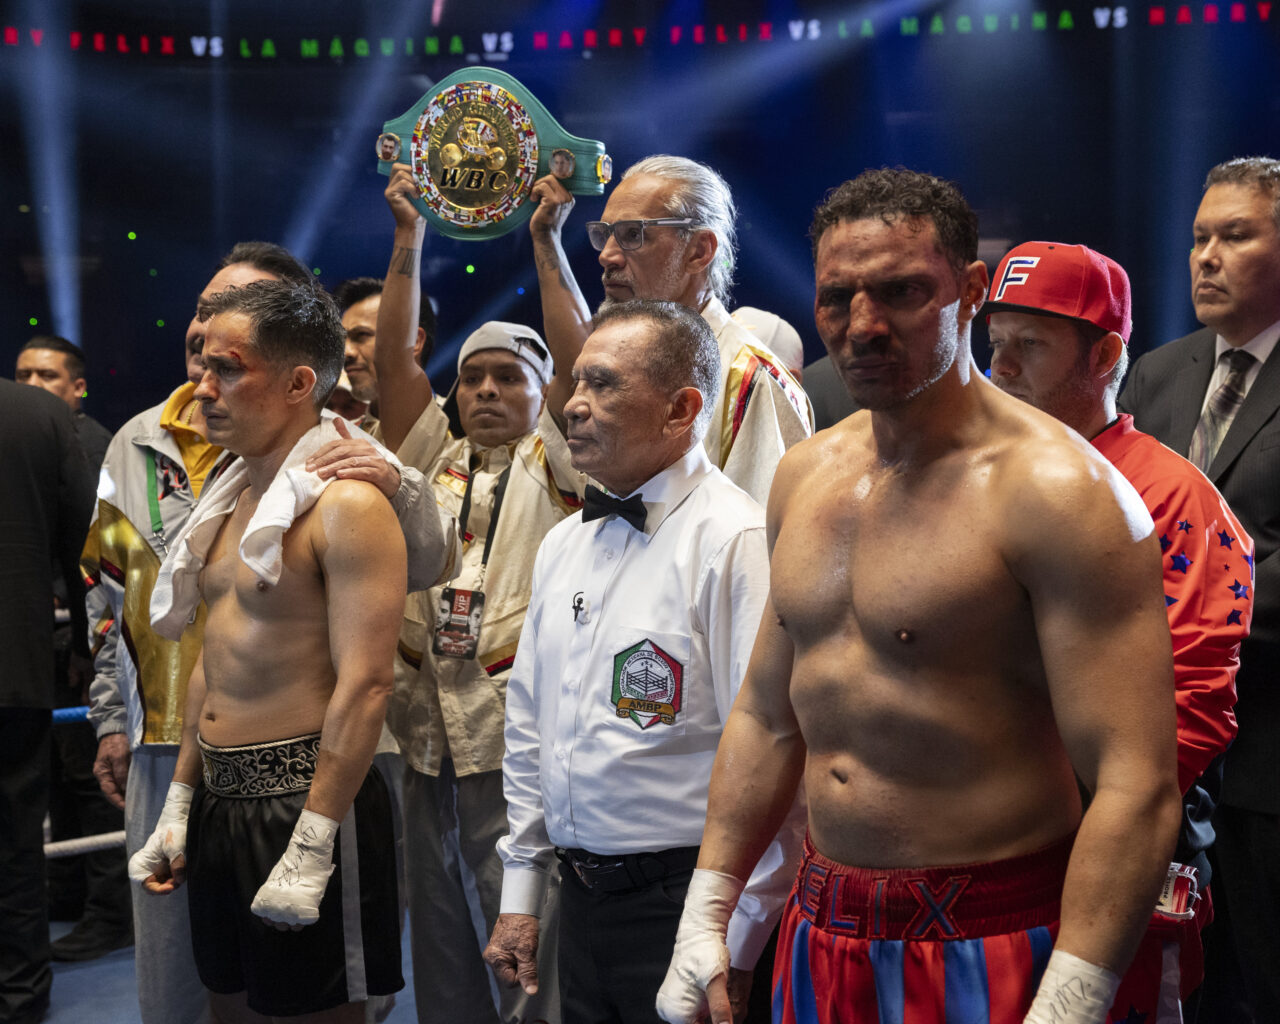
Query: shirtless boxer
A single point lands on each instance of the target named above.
(287, 700)
(965, 615)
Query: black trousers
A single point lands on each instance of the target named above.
(25, 976)
(95, 885)
(77, 807)
(1242, 946)
(615, 948)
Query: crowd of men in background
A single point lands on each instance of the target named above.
(640, 697)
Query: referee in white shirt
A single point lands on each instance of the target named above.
(644, 610)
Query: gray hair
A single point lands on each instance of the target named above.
(700, 193)
(1259, 171)
(682, 353)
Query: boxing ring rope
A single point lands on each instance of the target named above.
(84, 844)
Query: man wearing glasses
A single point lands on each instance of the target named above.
(668, 234)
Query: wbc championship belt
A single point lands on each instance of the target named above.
(476, 143)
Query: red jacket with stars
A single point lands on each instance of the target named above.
(1208, 585)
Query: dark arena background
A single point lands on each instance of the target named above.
(141, 140)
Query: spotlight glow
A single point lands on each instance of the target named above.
(46, 84)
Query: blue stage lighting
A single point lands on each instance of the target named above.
(46, 87)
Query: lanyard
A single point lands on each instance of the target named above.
(153, 502)
(499, 493)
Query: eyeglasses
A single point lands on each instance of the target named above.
(629, 234)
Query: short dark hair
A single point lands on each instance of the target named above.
(682, 353)
(893, 193)
(73, 354)
(1259, 171)
(269, 258)
(357, 289)
(290, 325)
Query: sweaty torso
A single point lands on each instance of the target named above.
(268, 672)
(917, 680)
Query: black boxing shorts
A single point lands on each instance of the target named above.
(241, 818)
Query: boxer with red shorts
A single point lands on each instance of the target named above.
(966, 632)
(961, 943)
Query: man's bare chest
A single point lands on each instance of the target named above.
(228, 582)
(896, 563)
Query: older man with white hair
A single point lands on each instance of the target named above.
(668, 234)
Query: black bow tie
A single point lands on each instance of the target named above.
(596, 505)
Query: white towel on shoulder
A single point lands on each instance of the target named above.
(176, 594)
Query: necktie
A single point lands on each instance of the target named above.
(1223, 405)
(596, 505)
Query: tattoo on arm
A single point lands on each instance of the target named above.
(549, 260)
(546, 259)
(404, 261)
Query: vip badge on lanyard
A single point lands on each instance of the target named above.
(476, 143)
(458, 623)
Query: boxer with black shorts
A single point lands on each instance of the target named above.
(275, 816)
(241, 818)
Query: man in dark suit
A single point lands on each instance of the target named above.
(46, 496)
(1215, 396)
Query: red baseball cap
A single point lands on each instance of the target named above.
(1073, 281)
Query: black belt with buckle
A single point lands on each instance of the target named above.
(601, 873)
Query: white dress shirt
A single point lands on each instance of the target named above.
(614, 714)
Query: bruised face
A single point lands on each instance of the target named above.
(47, 369)
(241, 394)
(235, 276)
(499, 397)
(892, 310)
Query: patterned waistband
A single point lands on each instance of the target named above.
(260, 769)
(958, 902)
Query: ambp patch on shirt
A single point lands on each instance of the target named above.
(648, 684)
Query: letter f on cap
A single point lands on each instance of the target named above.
(1015, 272)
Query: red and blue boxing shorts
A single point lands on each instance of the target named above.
(965, 944)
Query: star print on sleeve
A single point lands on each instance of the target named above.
(1185, 525)
(1249, 559)
(1234, 618)
(1165, 542)
(1225, 539)
(1180, 562)
(1239, 589)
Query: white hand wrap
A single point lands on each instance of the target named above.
(169, 840)
(1073, 991)
(700, 953)
(292, 892)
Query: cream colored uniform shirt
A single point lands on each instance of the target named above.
(760, 411)
(451, 707)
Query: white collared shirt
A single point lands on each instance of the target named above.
(1260, 347)
(614, 714)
